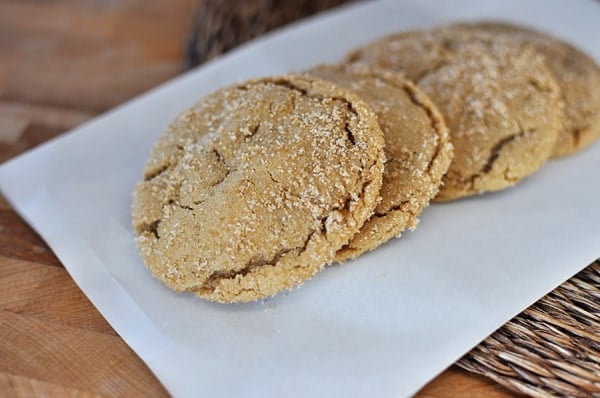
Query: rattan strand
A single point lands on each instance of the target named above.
(552, 348)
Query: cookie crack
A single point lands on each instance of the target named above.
(149, 176)
(497, 148)
(218, 155)
(272, 178)
(284, 188)
(537, 85)
(349, 133)
(250, 131)
(210, 284)
(305, 93)
(149, 227)
(221, 160)
(495, 154)
(435, 125)
(290, 86)
(399, 206)
(183, 207)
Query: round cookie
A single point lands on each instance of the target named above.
(577, 75)
(417, 151)
(497, 96)
(255, 188)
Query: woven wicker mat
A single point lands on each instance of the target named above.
(552, 348)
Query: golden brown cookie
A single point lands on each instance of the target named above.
(255, 188)
(497, 96)
(577, 75)
(417, 150)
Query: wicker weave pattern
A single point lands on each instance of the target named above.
(550, 349)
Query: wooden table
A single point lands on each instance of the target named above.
(61, 63)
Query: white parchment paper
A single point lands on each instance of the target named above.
(382, 325)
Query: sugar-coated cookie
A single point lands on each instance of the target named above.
(497, 96)
(254, 188)
(577, 75)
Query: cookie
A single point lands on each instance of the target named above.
(497, 96)
(417, 150)
(255, 188)
(577, 75)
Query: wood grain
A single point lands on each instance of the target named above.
(24, 387)
(455, 382)
(89, 55)
(48, 294)
(26, 125)
(18, 240)
(60, 355)
(62, 62)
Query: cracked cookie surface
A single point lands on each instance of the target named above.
(254, 188)
(497, 96)
(417, 150)
(577, 75)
